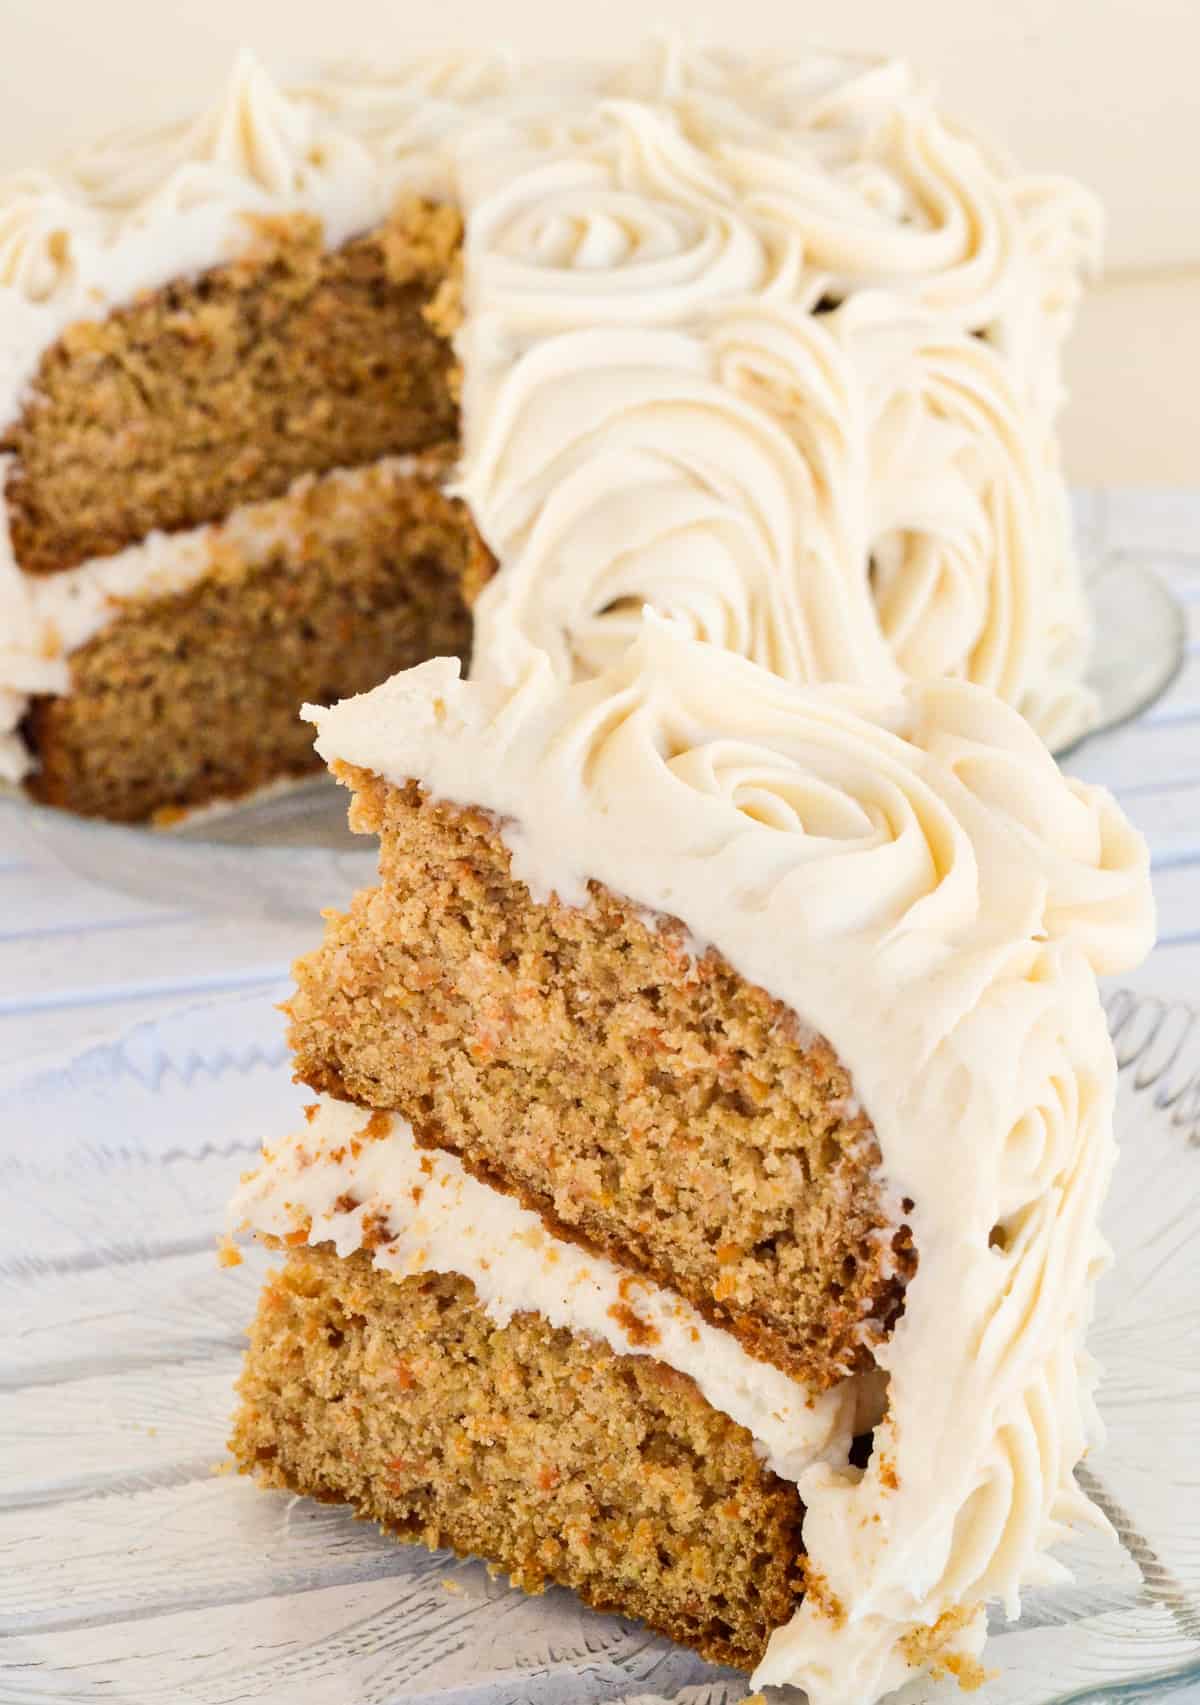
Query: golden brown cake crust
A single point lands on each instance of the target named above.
(224, 389)
(193, 697)
(541, 1451)
(665, 1112)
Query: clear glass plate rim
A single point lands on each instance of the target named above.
(139, 836)
(1137, 1019)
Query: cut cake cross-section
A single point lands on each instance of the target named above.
(745, 1030)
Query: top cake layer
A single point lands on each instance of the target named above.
(914, 839)
(916, 881)
(802, 326)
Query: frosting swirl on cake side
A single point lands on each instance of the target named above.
(915, 878)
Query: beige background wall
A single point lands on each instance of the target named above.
(1106, 89)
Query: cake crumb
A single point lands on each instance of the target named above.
(637, 1330)
(925, 1648)
(966, 1670)
(377, 1233)
(228, 1253)
(818, 1591)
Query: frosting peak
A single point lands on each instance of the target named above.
(255, 134)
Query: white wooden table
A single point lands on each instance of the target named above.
(78, 963)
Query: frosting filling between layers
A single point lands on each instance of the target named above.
(44, 618)
(915, 878)
(357, 1179)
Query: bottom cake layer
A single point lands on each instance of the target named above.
(541, 1451)
(195, 695)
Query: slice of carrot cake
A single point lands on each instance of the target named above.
(699, 1207)
(279, 386)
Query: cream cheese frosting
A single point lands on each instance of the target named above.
(459, 1225)
(772, 346)
(913, 875)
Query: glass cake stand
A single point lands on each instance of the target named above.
(139, 1573)
(288, 852)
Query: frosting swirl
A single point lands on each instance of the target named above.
(36, 255)
(617, 470)
(570, 245)
(724, 201)
(817, 465)
(895, 516)
(969, 547)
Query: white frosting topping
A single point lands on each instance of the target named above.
(439, 1219)
(652, 411)
(917, 880)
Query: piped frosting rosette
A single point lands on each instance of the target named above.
(969, 549)
(913, 875)
(693, 194)
(869, 186)
(855, 496)
(719, 205)
(616, 469)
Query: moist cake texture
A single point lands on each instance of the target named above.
(274, 398)
(801, 327)
(649, 1103)
(717, 1075)
(193, 694)
(545, 1452)
(888, 915)
(224, 389)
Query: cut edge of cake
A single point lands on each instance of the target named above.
(597, 1065)
(953, 896)
(540, 1449)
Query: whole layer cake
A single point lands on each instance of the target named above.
(714, 1109)
(771, 347)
